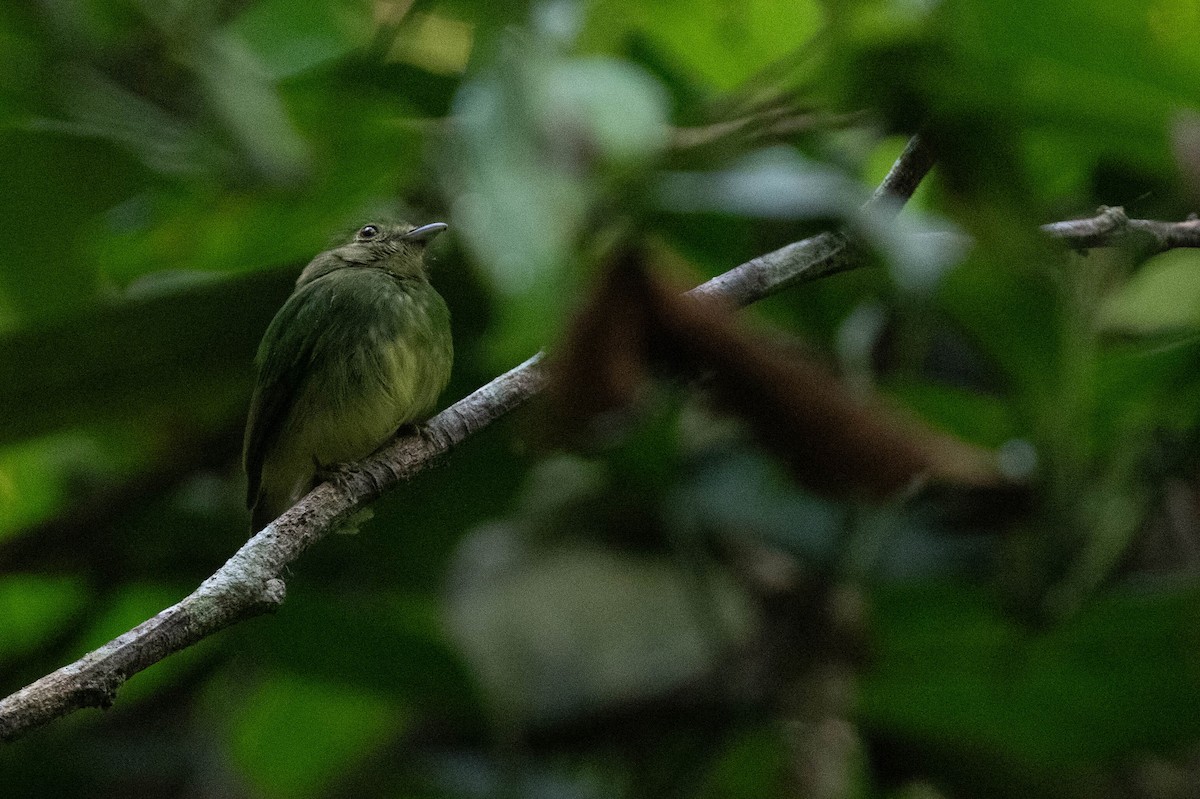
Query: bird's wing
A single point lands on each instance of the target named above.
(283, 358)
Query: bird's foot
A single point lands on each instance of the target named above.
(339, 474)
(418, 430)
(410, 429)
(421, 430)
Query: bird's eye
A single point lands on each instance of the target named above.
(369, 232)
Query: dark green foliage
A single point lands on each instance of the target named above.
(668, 612)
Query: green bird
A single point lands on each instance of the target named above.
(361, 348)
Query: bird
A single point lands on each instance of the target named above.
(360, 349)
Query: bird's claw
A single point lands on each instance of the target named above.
(337, 473)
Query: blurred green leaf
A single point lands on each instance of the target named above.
(55, 182)
(290, 36)
(34, 607)
(983, 419)
(952, 671)
(397, 646)
(540, 138)
(40, 477)
(292, 736)
(158, 354)
(1147, 386)
(723, 44)
(1014, 313)
(1163, 295)
(752, 766)
(239, 92)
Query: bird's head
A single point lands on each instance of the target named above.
(396, 247)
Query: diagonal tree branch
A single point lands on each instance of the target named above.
(249, 583)
(906, 174)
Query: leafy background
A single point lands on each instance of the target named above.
(533, 621)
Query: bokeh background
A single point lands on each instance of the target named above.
(665, 612)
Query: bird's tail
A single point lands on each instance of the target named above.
(266, 509)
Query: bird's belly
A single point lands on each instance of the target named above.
(352, 430)
(369, 393)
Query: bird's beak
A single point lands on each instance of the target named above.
(425, 232)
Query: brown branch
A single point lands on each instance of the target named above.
(1112, 226)
(250, 584)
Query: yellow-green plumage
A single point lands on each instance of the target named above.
(361, 348)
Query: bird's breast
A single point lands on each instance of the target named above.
(381, 363)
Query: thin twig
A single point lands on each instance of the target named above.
(1112, 226)
(757, 130)
(906, 174)
(250, 583)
